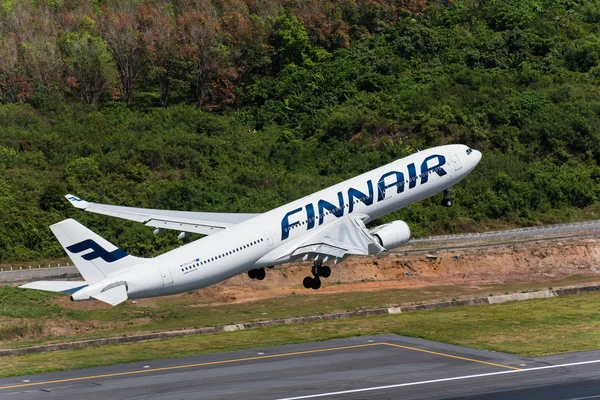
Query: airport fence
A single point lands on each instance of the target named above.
(20, 275)
(557, 231)
(24, 274)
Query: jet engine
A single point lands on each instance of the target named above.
(392, 235)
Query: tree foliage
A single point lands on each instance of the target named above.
(242, 106)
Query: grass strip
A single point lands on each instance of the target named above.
(527, 328)
(38, 312)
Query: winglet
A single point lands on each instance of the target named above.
(77, 202)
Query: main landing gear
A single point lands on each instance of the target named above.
(258, 273)
(318, 271)
(447, 201)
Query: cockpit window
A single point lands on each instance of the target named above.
(469, 151)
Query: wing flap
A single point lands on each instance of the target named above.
(348, 236)
(202, 227)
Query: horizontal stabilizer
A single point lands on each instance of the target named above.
(113, 296)
(56, 286)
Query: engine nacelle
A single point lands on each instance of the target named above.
(392, 235)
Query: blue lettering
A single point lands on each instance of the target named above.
(412, 176)
(353, 193)
(285, 224)
(310, 215)
(399, 182)
(441, 160)
(332, 208)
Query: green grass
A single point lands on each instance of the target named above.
(20, 330)
(528, 328)
(24, 307)
(19, 303)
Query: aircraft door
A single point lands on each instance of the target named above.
(456, 161)
(384, 194)
(166, 276)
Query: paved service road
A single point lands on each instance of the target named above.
(380, 367)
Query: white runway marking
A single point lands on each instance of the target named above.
(457, 378)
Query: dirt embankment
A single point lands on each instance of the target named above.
(547, 263)
(540, 261)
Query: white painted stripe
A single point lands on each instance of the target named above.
(457, 378)
(585, 398)
(545, 294)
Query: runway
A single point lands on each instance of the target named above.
(379, 367)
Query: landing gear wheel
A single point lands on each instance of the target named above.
(316, 283)
(257, 273)
(260, 274)
(447, 201)
(325, 271)
(307, 282)
(318, 271)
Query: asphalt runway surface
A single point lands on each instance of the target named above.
(378, 367)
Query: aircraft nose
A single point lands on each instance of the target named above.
(476, 154)
(472, 159)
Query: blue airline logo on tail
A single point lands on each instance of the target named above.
(97, 251)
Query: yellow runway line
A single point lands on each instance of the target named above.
(450, 355)
(236, 360)
(143, 371)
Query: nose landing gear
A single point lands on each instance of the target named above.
(447, 201)
(318, 271)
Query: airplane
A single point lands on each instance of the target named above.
(326, 226)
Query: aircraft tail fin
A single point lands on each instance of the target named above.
(94, 256)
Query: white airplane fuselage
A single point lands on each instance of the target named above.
(262, 241)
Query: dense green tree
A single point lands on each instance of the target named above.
(90, 64)
(280, 117)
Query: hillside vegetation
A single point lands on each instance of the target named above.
(241, 106)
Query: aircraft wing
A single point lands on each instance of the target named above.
(205, 223)
(348, 236)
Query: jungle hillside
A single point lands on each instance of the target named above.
(244, 105)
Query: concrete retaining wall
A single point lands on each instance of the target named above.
(291, 321)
